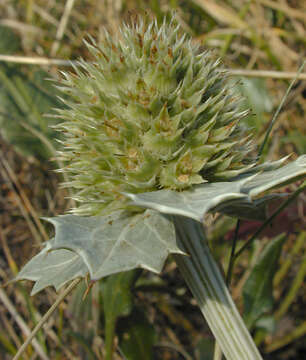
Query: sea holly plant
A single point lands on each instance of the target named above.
(154, 140)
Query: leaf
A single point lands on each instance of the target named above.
(234, 197)
(101, 245)
(104, 245)
(266, 324)
(52, 268)
(266, 166)
(257, 94)
(118, 242)
(116, 292)
(257, 98)
(117, 301)
(258, 289)
(268, 180)
(249, 210)
(137, 337)
(193, 203)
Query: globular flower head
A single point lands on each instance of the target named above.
(150, 112)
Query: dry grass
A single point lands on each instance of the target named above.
(260, 35)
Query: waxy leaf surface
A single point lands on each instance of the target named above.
(192, 203)
(101, 246)
(234, 198)
(52, 268)
(105, 245)
(268, 180)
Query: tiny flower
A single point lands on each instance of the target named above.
(151, 112)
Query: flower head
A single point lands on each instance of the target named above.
(151, 112)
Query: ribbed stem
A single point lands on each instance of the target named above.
(204, 279)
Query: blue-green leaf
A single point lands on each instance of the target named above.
(105, 245)
(268, 180)
(119, 242)
(52, 268)
(101, 246)
(234, 198)
(193, 203)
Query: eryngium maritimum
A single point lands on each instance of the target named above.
(151, 112)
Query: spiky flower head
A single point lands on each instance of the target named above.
(151, 112)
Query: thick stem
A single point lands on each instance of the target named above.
(204, 279)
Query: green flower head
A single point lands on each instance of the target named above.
(150, 112)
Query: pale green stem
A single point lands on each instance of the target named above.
(204, 279)
(217, 352)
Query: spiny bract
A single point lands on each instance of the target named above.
(150, 112)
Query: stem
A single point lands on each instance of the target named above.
(204, 279)
(232, 258)
(217, 352)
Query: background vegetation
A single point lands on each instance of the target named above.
(155, 317)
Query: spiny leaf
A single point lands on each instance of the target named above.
(101, 246)
(52, 268)
(268, 180)
(193, 203)
(104, 245)
(118, 242)
(249, 210)
(234, 198)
